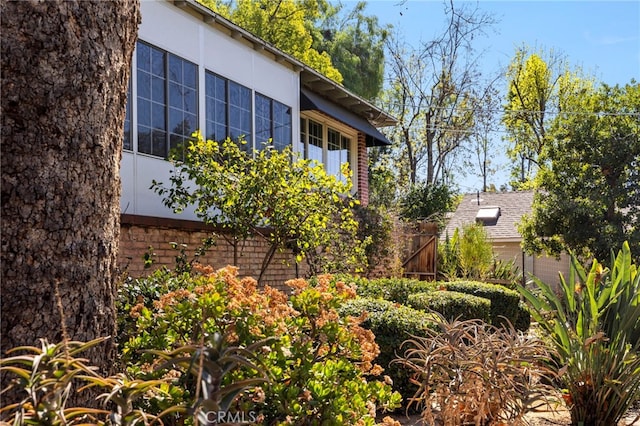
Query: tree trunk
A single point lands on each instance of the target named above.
(65, 71)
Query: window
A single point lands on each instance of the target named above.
(239, 112)
(273, 121)
(338, 152)
(314, 147)
(488, 216)
(326, 145)
(228, 109)
(167, 100)
(216, 107)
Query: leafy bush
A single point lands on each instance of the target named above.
(523, 319)
(593, 324)
(452, 305)
(428, 201)
(287, 201)
(504, 302)
(391, 324)
(316, 361)
(476, 252)
(474, 373)
(376, 226)
(392, 289)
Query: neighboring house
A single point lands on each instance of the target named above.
(194, 70)
(500, 213)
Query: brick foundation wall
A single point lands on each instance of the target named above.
(138, 233)
(363, 170)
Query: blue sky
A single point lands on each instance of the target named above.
(601, 37)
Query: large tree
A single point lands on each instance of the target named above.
(283, 23)
(65, 70)
(538, 82)
(355, 43)
(589, 198)
(430, 91)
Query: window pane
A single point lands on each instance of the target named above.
(159, 143)
(158, 120)
(175, 95)
(216, 104)
(143, 57)
(175, 69)
(158, 89)
(281, 125)
(315, 141)
(157, 62)
(144, 112)
(333, 154)
(144, 85)
(240, 113)
(190, 75)
(144, 139)
(303, 137)
(263, 120)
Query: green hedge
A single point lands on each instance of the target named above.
(392, 324)
(523, 320)
(504, 302)
(452, 305)
(393, 289)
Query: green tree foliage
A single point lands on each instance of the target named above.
(468, 253)
(289, 203)
(283, 23)
(428, 201)
(538, 84)
(593, 324)
(355, 43)
(590, 190)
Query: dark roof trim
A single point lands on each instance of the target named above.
(310, 101)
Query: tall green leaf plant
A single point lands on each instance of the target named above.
(594, 324)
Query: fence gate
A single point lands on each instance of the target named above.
(421, 262)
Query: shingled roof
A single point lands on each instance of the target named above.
(512, 206)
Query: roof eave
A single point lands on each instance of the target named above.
(309, 77)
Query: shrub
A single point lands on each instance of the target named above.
(504, 302)
(523, 319)
(391, 324)
(593, 324)
(392, 289)
(471, 372)
(476, 252)
(452, 305)
(316, 360)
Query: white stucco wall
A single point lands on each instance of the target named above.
(174, 30)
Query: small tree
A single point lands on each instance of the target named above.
(289, 202)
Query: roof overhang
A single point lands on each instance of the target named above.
(310, 101)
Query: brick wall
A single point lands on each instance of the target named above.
(138, 233)
(363, 170)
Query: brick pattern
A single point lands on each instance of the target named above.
(363, 170)
(136, 238)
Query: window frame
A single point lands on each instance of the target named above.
(163, 137)
(327, 125)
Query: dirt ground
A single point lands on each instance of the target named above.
(543, 416)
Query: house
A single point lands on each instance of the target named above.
(500, 213)
(194, 70)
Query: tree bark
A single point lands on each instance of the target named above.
(65, 71)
